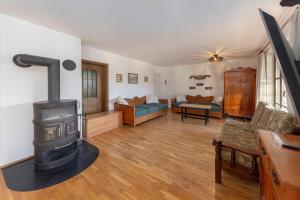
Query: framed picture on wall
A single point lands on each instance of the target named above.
(146, 79)
(133, 78)
(119, 78)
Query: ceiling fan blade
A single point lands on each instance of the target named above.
(204, 53)
(200, 59)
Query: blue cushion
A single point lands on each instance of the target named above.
(153, 107)
(163, 106)
(139, 111)
(215, 107)
(142, 106)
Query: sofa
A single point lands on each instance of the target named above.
(237, 148)
(138, 111)
(215, 111)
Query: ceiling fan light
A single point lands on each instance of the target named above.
(216, 58)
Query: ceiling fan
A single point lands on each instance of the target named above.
(221, 55)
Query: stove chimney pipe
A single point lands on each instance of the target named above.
(53, 65)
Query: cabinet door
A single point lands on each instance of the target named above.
(233, 93)
(248, 85)
(239, 88)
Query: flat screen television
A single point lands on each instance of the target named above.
(290, 67)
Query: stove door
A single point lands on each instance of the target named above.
(51, 132)
(71, 127)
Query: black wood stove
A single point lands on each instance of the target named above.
(55, 133)
(55, 121)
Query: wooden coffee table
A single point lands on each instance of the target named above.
(184, 113)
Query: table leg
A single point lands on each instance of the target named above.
(181, 113)
(185, 112)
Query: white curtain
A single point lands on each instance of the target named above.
(261, 76)
(258, 74)
(295, 33)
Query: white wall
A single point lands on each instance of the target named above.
(178, 81)
(122, 65)
(20, 87)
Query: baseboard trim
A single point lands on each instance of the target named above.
(15, 162)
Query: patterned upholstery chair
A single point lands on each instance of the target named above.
(237, 145)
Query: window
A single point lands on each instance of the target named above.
(280, 89)
(270, 63)
(272, 88)
(89, 83)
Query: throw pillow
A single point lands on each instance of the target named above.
(180, 98)
(152, 99)
(121, 100)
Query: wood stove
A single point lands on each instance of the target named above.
(55, 133)
(55, 121)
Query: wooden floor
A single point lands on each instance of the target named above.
(160, 159)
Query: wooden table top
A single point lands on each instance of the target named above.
(199, 106)
(285, 161)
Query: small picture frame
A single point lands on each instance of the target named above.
(133, 78)
(119, 78)
(146, 79)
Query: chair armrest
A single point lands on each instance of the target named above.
(251, 152)
(163, 101)
(128, 112)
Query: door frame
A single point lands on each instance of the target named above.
(105, 83)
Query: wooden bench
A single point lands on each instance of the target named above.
(96, 124)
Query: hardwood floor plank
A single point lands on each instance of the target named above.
(164, 158)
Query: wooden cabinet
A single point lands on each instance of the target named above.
(240, 92)
(279, 174)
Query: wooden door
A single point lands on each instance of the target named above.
(240, 92)
(91, 88)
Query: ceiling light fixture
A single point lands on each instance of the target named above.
(215, 58)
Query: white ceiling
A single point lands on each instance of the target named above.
(161, 32)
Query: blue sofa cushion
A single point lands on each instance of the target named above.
(140, 111)
(153, 107)
(163, 106)
(215, 107)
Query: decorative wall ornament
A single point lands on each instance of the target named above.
(208, 88)
(199, 77)
(133, 78)
(192, 87)
(119, 78)
(200, 84)
(146, 79)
